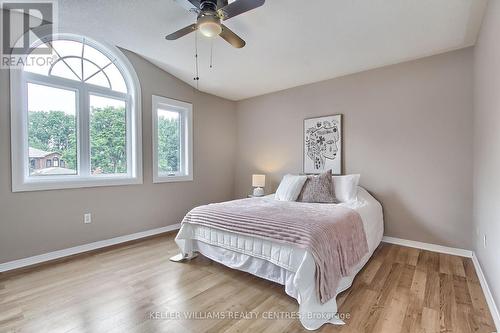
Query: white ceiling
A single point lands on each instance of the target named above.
(289, 42)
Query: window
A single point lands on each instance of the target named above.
(172, 140)
(76, 121)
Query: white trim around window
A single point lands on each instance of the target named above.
(19, 80)
(184, 110)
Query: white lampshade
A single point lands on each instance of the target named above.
(258, 180)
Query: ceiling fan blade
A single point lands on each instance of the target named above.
(222, 3)
(196, 3)
(181, 32)
(189, 4)
(239, 7)
(231, 37)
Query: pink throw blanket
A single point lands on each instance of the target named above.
(333, 234)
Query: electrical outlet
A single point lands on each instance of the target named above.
(87, 218)
(484, 241)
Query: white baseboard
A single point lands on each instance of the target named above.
(487, 292)
(458, 252)
(10, 265)
(429, 247)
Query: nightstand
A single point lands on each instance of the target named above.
(253, 196)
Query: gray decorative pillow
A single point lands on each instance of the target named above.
(318, 189)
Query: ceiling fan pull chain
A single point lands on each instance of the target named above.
(197, 78)
(211, 53)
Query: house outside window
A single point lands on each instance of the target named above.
(40, 160)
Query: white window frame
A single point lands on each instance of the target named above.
(186, 136)
(19, 79)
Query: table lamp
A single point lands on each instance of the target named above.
(258, 182)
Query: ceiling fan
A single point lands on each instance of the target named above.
(211, 13)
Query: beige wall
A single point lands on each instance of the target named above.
(487, 148)
(407, 131)
(36, 222)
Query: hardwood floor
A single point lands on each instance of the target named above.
(133, 288)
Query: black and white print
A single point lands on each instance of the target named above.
(323, 144)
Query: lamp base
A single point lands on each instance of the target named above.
(258, 192)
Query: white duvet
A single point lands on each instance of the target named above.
(283, 263)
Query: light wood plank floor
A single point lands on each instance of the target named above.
(116, 290)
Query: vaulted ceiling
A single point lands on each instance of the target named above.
(289, 42)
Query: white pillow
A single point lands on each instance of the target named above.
(290, 187)
(345, 188)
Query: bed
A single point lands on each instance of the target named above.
(283, 263)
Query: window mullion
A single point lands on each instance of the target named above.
(84, 113)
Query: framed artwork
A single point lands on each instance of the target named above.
(323, 144)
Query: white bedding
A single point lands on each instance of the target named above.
(283, 263)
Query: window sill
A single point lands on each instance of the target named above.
(171, 179)
(50, 184)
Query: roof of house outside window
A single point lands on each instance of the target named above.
(38, 153)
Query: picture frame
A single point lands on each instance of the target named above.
(323, 144)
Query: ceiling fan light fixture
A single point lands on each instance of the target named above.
(209, 26)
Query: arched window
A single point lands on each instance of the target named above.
(81, 103)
